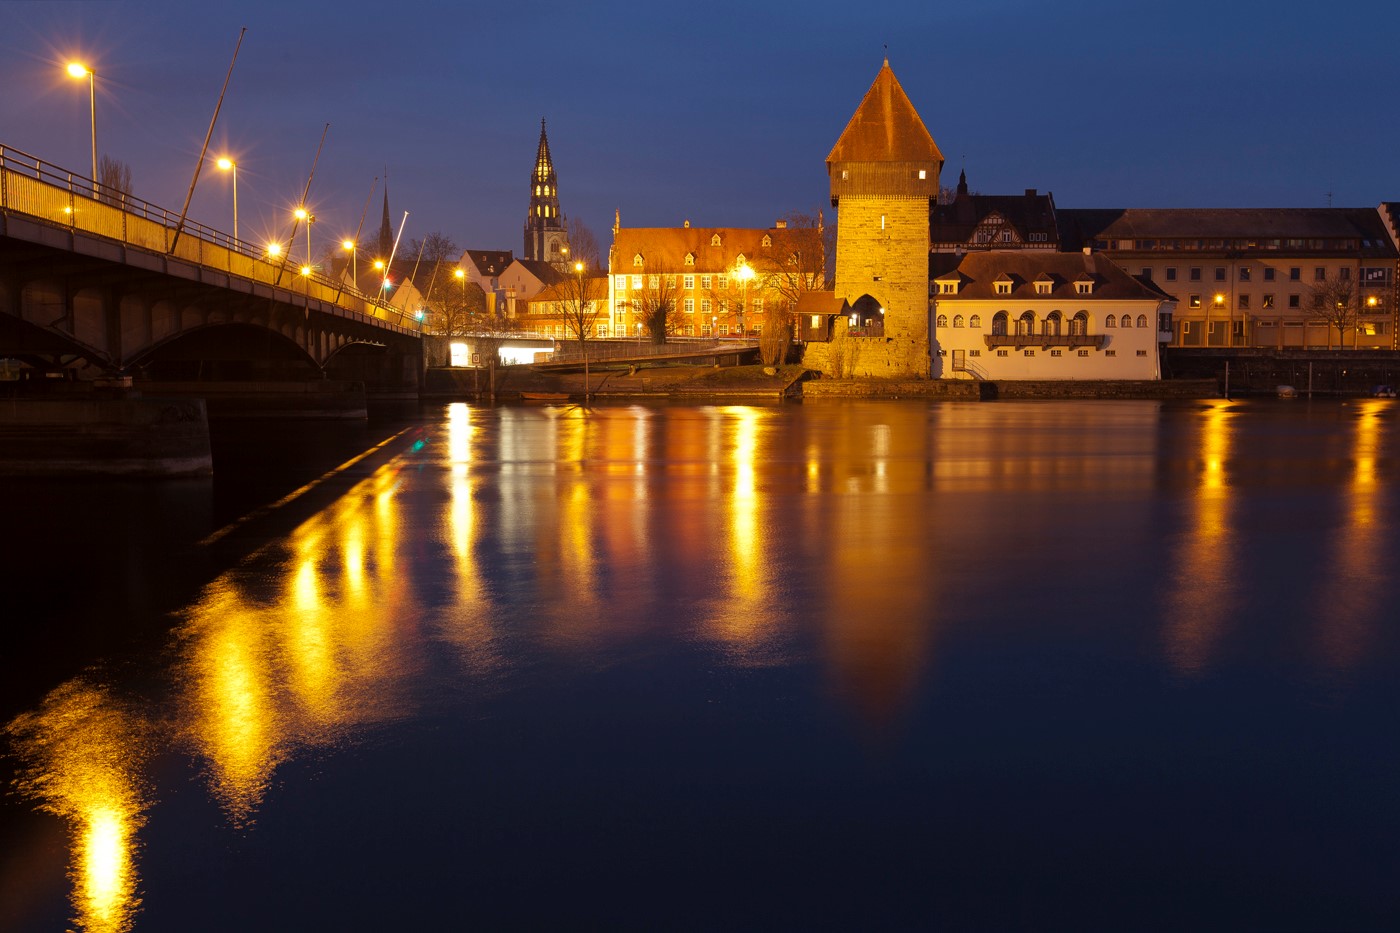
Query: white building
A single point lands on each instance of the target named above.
(1032, 314)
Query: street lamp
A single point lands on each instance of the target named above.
(303, 214)
(230, 166)
(1219, 306)
(79, 70)
(744, 272)
(349, 246)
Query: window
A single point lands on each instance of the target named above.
(1003, 288)
(602, 330)
(975, 321)
(757, 306)
(653, 281)
(1042, 288)
(1244, 302)
(1195, 273)
(704, 330)
(688, 282)
(1084, 288)
(1220, 273)
(705, 306)
(1001, 353)
(1083, 352)
(1194, 301)
(941, 321)
(1110, 353)
(1320, 274)
(767, 240)
(1295, 274)
(1025, 324)
(947, 288)
(923, 174)
(1293, 301)
(636, 281)
(689, 306)
(1268, 302)
(1268, 273)
(1110, 321)
(723, 282)
(1028, 352)
(1142, 320)
(670, 281)
(974, 352)
(1127, 320)
(622, 282)
(1345, 273)
(705, 282)
(1079, 324)
(723, 306)
(1244, 273)
(957, 320)
(1142, 353)
(637, 261)
(1006, 236)
(1171, 273)
(715, 240)
(1147, 274)
(724, 328)
(999, 323)
(1057, 353)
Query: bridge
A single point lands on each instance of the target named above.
(96, 283)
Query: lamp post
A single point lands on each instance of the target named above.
(349, 246)
(230, 166)
(79, 70)
(460, 275)
(1219, 307)
(744, 272)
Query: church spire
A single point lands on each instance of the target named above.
(546, 238)
(386, 229)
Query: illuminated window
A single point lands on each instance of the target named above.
(758, 306)
(923, 174)
(767, 240)
(1194, 301)
(941, 321)
(637, 261)
(689, 282)
(621, 282)
(670, 281)
(957, 320)
(723, 281)
(705, 306)
(715, 240)
(1268, 302)
(975, 321)
(705, 282)
(690, 259)
(689, 306)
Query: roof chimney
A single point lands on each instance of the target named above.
(780, 225)
(1030, 192)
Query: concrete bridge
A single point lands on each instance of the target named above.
(96, 283)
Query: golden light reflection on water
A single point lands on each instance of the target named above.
(1355, 567)
(82, 754)
(1202, 584)
(270, 665)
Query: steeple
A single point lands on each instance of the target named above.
(885, 148)
(545, 236)
(386, 229)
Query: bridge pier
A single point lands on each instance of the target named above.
(106, 435)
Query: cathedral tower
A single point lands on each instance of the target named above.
(546, 233)
(884, 175)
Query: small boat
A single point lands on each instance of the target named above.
(545, 396)
(1383, 392)
(1286, 391)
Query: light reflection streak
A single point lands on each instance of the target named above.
(1203, 584)
(82, 753)
(1348, 600)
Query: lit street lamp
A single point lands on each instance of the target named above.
(79, 70)
(744, 272)
(230, 166)
(1219, 306)
(349, 246)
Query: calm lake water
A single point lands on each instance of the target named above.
(1106, 665)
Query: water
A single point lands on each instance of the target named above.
(831, 665)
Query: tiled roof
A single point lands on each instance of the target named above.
(885, 128)
(545, 272)
(980, 270)
(821, 303)
(488, 261)
(663, 249)
(1028, 213)
(1082, 226)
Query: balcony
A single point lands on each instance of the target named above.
(1046, 341)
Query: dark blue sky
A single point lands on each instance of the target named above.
(720, 114)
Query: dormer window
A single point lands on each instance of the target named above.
(947, 288)
(767, 240)
(741, 261)
(1084, 287)
(637, 261)
(1044, 285)
(1003, 288)
(690, 259)
(715, 240)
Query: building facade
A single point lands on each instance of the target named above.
(1039, 314)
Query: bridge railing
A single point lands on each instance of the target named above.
(30, 186)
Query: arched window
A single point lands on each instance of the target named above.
(1052, 324)
(957, 320)
(1025, 324)
(1142, 320)
(999, 323)
(942, 321)
(1079, 324)
(975, 321)
(1110, 321)
(1127, 321)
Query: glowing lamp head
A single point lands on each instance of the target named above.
(418, 314)
(274, 249)
(379, 264)
(347, 245)
(300, 213)
(1371, 302)
(459, 273)
(78, 70)
(225, 163)
(1219, 299)
(578, 267)
(305, 270)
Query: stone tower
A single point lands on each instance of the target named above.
(546, 231)
(884, 175)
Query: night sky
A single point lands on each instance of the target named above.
(720, 114)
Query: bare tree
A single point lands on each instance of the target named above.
(583, 245)
(1334, 302)
(582, 299)
(797, 262)
(113, 180)
(655, 304)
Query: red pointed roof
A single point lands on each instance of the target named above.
(885, 128)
